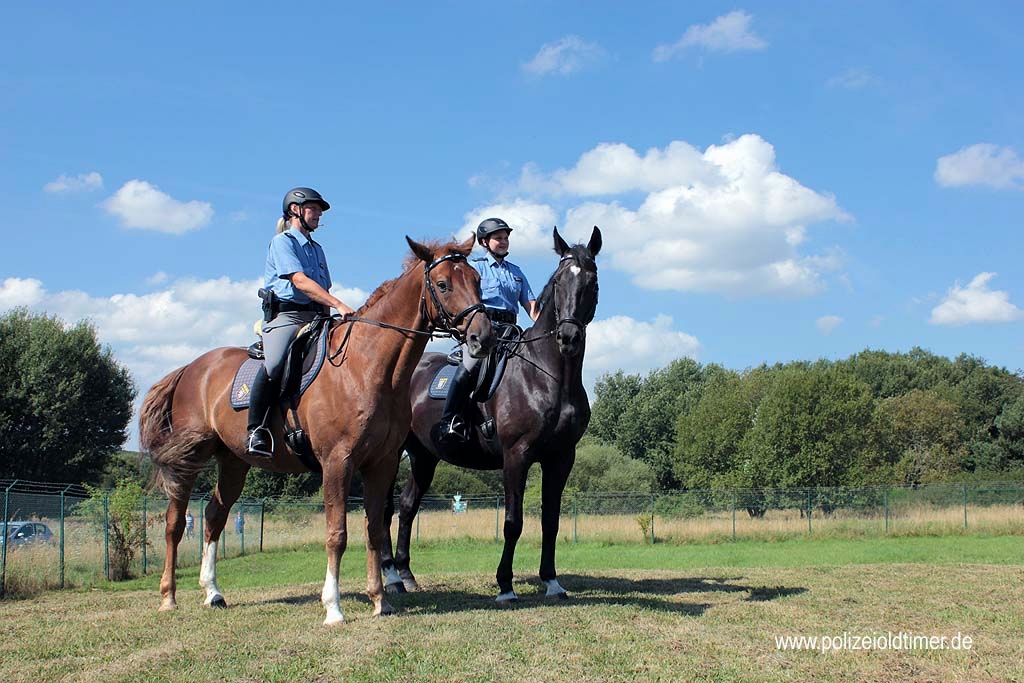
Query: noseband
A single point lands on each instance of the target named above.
(445, 321)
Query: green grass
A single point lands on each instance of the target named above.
(637, 613)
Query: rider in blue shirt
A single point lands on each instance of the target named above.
(504, 288)
(297, 288)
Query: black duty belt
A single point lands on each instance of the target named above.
(289, 306)
(500, 315)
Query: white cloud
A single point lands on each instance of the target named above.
(531, 225)
(151, 334)
(982, 164)
(827, 323)
(141, 205)
(16, 292)
(854, 78)
(975, 303)
(83, 182)
(634, 346)
(723, 220)
(728, 33)
(563, 57)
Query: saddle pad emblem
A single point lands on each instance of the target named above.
(439, 385)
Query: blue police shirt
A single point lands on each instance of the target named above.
(289, 253)
(502, 285)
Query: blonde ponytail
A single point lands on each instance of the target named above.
(282, 225)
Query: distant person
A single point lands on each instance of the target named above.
(239, 523)
(504, 288)
(190, 524)
(296, 289)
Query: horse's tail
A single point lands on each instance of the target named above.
(172, 451)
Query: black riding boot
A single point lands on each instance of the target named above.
(453, 428)
(259, 441)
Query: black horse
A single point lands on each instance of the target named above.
(540, 410)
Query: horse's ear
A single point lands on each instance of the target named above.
(422, 253)
(561, 248)
(595, 241)
(467, 246)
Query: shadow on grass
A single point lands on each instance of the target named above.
(670, 595)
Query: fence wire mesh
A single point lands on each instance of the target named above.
(70, 543)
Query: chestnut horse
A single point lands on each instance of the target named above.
(540, 410)
(356, 415)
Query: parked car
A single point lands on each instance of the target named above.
(25, 533)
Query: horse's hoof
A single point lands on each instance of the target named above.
(218, 603)
(410, 585)
(557, 596)
(395, 588)
(168, 607)
(509, 599)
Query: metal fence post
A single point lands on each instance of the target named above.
(263, 505)
(145, 563)
(497, 513)
(575, 517)
(885, 499)
(106, 536)
(652, 519)
(809, 512)
(733, 503)
(3, 558)
(62, 507)
(965, 505)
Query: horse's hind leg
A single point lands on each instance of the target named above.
(423, 466)
(230, 480)
(377, 478)
(175, 529)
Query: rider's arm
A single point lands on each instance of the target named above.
(314, 291)
(532, 310)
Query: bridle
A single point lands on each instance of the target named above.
(448, 323)
(572, 321)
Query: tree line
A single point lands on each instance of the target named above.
(875, 418)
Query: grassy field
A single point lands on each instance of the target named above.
(668, 612)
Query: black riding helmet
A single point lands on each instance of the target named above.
(301, 195)
(490, 226)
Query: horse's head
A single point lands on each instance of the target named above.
(573, 292)
(451, 294)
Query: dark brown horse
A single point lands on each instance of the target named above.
(541, 411)
(356, 415)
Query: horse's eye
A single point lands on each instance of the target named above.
(442, 285)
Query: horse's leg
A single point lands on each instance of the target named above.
(337, 477)
(392, 580)
(175, 528)
(377, 478)
(555, 474)
(423, 466)
(514, 476)
(230, 479)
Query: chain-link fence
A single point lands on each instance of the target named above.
(52, 538)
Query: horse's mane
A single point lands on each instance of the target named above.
(586, 260)
(410, 261)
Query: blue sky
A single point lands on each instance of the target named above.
(774, 181)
